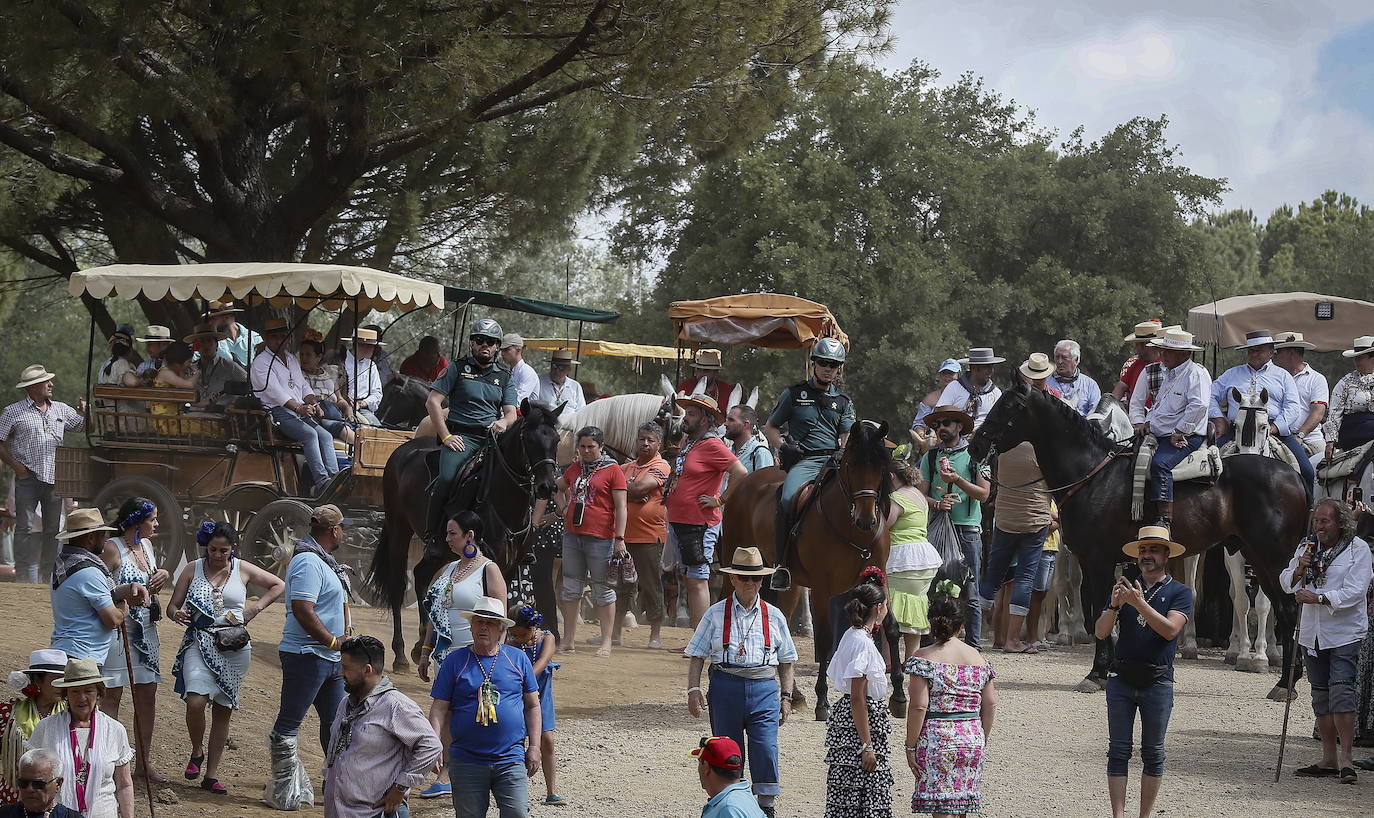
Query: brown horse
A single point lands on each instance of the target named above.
(840, 534)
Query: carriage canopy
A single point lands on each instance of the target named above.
(1328, 321)
(760, 319)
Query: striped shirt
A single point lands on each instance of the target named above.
(33, 435)
(746, 632)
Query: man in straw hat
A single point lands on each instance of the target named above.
(720, 768)
(751, 654)
(1314, 393)
(364, 380)
(705, 379)
(974, 391)
(84, 595)
(1259, 375)
(1140, 338)
(558, 387)
(281, 386)
(1149, 614)
(817, 417)
(486, 695)
(237, 341)
(31, 429)
(1177, 418)
(216, 370)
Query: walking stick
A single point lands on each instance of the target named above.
(138, 732)
(1292, 694)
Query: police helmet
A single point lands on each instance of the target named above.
(828, 349)
(486, 328)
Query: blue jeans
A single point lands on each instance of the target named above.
(1294, 444)
(1044, 575)
(1154, 704)
(474, 784)
(971, 540)
(1331, 672)
(740, 706)
(35, 553)
(307, 679)
(1025, 550)
(1162, 465)
(316, 440)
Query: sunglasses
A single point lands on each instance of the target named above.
(748, 578)
(949, 422)
(484, 341)
(33, 783)
(824, 364)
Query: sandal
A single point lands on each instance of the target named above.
(193, 767)
(213, 785)
(1348, 775)
(1027, 649)
(1315, 771)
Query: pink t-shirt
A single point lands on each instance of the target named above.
(702, 473)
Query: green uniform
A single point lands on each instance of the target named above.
(476, 395)
(815, 418)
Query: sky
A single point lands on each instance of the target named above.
(1276, 97)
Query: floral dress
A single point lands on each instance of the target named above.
(949, 752)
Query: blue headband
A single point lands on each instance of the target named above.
(138, 516)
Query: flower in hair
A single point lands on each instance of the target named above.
(948, 588)
(138, 516)
(873, 572)
(205, 532)
(313, 335)
(529, 615)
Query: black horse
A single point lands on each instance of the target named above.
(1257, 505)
(403, 402)
(517, 470)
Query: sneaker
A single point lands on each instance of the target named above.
(435, 790)
(556, 801)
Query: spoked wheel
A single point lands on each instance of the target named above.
(270, 537)
(169, 541)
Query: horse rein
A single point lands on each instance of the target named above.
(1072, 488)
(860, 494)
(525, 483)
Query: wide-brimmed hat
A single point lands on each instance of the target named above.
(365, 336)
(488, 607)
(747, 562)
(217, 308)
(704, 402)
(1257, 338)
(563, 356)
(1292, 340)
(512, 339)
(707, 359)
(205, 331)
(1360, 346)
(1152, 535)
(32, 374)
(272, 325)
(1037, 367)
(949, 365)
(981, 355)
(1175, 338)
(940, 413)
(80, 673)
(84, 521)
(719, 751)
(47, 660)
(155, 334)
(1145, 331)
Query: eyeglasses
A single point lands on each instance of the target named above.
(34, 783)
(825, 364)
(484, 341)
(562, 366)
(748, 578)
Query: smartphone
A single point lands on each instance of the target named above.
(1356, 495)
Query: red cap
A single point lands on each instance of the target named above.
(720, 751)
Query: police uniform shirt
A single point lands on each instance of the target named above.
(475, 393)
(814, 417)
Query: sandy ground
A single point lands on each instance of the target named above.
(624, 732)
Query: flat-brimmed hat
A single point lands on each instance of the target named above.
(981, 355)
(1175, 338)
(704, 402)
(1144, 331)
(47, 660)
(328, 516)
(747, 562)
(949, 365)
(205, 331)
(719, 751)
(512, 339)
(563, 356)
(217, 308)
(84, 521)
(1257, 338)
(940, 413)
(32, 374)
(272, 325)
(80, 673)
(1153, 535)
(488, 607)
(707, 359)
(1360, 346)
(1037, 367)
(365, 336)
(156, 334)
(1292, 340)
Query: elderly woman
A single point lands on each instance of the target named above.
(93, 750)
(210, 599)
(19, 716)
(592, 491)
(1350, 423)
(131, 559)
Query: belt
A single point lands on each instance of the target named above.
(748, 671)
(936, 715)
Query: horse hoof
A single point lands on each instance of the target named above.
(1231, 659)
(1063, 639)
(1279, 694)
(1188, 653)
(1082, 639)
(1088, 686)
(1253, 664)
(822, 713)
(1275, 661)
(400, 666)
(898, 709)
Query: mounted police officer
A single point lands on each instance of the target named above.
(817, 416)
(481, 404)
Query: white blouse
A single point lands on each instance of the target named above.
(1353, 393)
(857, 656)
(109, 749)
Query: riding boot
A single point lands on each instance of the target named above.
(782, 576)
(1166, 513)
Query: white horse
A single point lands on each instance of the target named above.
(1250, 654)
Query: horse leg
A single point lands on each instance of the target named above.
(1240, 610)
(1096, 592)
(1068, 591)
(394, 537)
(825, 646)
(800, 622)
(892, 632)
(1188, 645)
(1258, 661)
(786, 601)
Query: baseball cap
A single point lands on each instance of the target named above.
(949, 365)
(328, 515)
(719, 751)
(512, 339)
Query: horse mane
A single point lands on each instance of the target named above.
(616, 416)
(1069, 417)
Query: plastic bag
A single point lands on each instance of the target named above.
(289, 786)
(942, 534)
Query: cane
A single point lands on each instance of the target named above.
(1292, 694)
(138, 733)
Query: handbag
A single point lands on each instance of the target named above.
(1139, 674)
(155, 610)
(691, 542)
(230, 638)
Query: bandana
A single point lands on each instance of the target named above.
(975, 393)
(682, 460)
(309, 546)
(353, 710)
(73, 558)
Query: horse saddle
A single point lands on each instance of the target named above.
(802, 501)
(467, 472)
(1344, 463)
(1203, 464)
(1273, 448)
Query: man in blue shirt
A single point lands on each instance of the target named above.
(1286, 407)
(1076, 389)
(1149, 615)
(720, 766)
(84, 596)
(486, 704)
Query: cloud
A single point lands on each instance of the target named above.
(1267, 96)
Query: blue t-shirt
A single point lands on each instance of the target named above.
(735, 801)
(308, 578)
(1139, 642)
(456, 683)
(77, 629)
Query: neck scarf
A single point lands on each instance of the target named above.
(1322, 559)
(975, 393)
(353, 710)
(682, 459)
(309, 546)
(23, 719)
(73, 558)
(582, 486)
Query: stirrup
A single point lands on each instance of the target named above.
(781, 579)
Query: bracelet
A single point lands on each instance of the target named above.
(445, 438)
(333, 642)
(909, 749)
(426, 648)
(692, 690)
(865, 748)
(1114, 607)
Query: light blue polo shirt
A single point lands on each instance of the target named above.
(77, 629)
(308, 578)
(735, 801)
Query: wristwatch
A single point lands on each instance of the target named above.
(1322, 600)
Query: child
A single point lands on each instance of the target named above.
(528, 635)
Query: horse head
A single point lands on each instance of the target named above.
(669, 415)
(403, 402)
(864, 466)
(1252, 420)
(1008, 424)
(538, 437)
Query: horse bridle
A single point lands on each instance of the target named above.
(854, 496)
(1072, 488)
(525, 482)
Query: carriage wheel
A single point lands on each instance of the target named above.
(270, 537)
(169, 543)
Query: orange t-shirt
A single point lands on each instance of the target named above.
(645, 521)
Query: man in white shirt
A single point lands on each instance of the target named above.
(557, 388)
(1329, 579)
(364, 381)
(1314, 393)
(522, 375)
(1178, 417)
(974, 392)
(277, 381)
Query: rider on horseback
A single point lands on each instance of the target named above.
(817, 416)
(481, 404)
(1177, 418)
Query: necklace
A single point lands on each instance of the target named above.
(1154, 592)
(487, 695)
(457, 575)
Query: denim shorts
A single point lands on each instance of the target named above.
(586, 558)
(1045, 575)
(702, 571)
(1331, 671)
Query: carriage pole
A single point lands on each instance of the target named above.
(138, 732)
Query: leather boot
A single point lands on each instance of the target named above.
(1166, 514)
(782, 577)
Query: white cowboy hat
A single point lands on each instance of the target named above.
(32, 374)
(156, 334)
(1360, 346)
(80, 673)
(1175, 338)
(707, 359)
(1258, 337)
(1292, 340)
(1037, 367)
(1150, 535)
(981, 355)
(747, 562)
(84, 521)
(1144, 331)
(488, 607)
(365, 336)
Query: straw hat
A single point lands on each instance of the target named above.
(747, 562)
(1175, 338)
(365, 336)
(84, 521)
(156, 334)
(1360, 346)
(944, 412)
(981, 355)
(1037, 367)
(488, 608)
(1292, 340)
(704, 402)
(1144, 331)
(707, 359)
(1149, 535)
(217, 308)
(32, 374)
(205, 331)
(47, 660)
(80, 673)
(563, 356)
(1256, 338)
(512, 339)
